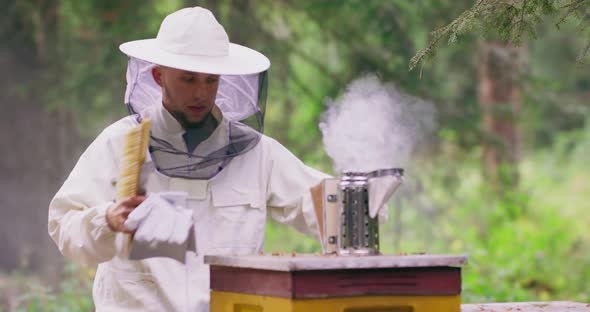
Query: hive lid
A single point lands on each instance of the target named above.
(304, 262)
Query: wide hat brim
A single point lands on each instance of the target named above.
(239, 61)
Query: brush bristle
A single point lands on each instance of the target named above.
(134, 153)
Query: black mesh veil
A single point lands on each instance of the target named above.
(242, 102)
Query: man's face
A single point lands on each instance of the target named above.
(188, 96)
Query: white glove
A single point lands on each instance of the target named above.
(380, 190)
(164, 228)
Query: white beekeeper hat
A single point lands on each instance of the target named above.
(191, 39)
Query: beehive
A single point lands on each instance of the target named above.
(297, 283)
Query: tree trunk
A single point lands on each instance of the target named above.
(499, 97)
(31, 174)
(33, 159)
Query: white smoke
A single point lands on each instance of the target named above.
(374, 125)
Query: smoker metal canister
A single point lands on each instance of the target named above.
(359, 233)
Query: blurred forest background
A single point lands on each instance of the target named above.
(505, 178)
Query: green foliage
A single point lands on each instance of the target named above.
(27, 293)
(286, 240)
(528, 244)
(509, 21)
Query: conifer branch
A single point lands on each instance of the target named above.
(511, 20)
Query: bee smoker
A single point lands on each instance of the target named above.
(351, 204)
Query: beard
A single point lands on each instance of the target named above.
(186, 123)
(180, 116)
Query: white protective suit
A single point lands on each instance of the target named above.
(229, 214)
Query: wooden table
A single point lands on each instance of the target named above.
(555, 306)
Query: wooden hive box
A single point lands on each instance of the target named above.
(330, 283)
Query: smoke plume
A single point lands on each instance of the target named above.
(374, 125)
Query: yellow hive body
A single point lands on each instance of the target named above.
(235, 302)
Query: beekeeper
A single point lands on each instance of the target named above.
(209, 181)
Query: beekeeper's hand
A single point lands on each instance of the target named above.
(117, 214)
(164, 220)
(163, 227)
(162, 217)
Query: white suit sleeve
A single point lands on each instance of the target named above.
(76, 220)
(289, 198)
